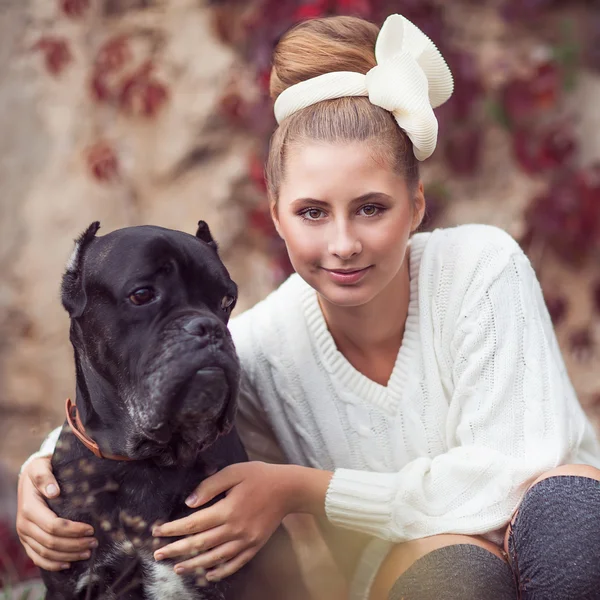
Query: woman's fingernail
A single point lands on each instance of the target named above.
(84, 555)
(65, 566)
(93, 544)
(159, 556)
(191, 500)
(156, 531)
(52, 490)
(88, 532)
(179, 570)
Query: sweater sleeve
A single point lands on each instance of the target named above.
(512, 415)
(46, 449)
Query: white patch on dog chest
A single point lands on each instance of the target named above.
(163, 583)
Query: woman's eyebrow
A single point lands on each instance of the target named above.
(358, 200)
(372, 196)
(312, 201)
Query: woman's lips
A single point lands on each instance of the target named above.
(347, 277)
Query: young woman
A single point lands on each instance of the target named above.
(407, 388)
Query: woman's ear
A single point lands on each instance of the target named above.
(275, 216)
(419, 207)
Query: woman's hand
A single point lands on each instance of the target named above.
(51, 542)
(231, 531)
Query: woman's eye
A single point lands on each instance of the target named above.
(227, 302)
(142, 296)
(312, 214)
(370, 210)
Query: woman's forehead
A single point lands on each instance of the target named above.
(324, 169)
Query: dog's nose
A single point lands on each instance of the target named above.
(199, 326)
(160, 433)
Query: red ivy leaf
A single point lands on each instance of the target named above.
(74, 9)
(99, 88)
(57, 54)
(113, 54)
(524, 98)
(102, 162)
(141, 95)
(310, 10)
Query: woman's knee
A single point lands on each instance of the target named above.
(570, 471)
(554, 539)
(412, 564)
(456, 572)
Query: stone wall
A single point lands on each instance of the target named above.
(174, 169)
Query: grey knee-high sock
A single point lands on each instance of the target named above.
(460, 572)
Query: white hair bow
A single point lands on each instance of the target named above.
(410, 80)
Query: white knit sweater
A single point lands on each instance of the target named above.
(479, 402)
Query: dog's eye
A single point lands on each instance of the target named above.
(142, 296)
(227, 302)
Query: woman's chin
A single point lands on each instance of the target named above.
(346, 295)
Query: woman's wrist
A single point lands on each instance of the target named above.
(305, 489)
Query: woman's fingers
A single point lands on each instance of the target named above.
(55, 555)
(207, 560)
(33, 508)
(58, 544)
(232, 566)
(44, 563)
(194, 544)
(50, 542)
(40, 474)
(201, 520)
(41, 516)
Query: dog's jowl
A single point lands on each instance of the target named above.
(156, 384)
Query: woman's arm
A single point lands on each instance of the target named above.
(51, 543)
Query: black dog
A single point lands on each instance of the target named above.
(157, 378)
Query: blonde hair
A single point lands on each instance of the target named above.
(321, 46)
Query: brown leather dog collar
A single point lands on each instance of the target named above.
(79, 431)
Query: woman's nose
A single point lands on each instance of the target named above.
(345, 243)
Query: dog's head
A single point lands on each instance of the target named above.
(157, 373)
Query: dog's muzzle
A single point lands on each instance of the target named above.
(191, 382)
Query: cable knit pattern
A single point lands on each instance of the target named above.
(479, 402)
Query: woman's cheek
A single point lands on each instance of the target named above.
(305, 244)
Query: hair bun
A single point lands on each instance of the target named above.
(320, 46)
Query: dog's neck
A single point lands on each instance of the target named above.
(100, 414)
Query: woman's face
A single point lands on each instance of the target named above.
(345, 220)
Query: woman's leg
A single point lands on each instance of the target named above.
(553, 540)
(445, 567)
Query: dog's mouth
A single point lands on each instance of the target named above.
(198, 412)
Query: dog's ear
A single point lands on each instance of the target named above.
(72, 292)
(203, 233)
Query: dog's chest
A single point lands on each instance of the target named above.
(162, 583)
(154, 580)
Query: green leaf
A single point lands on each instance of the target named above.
(567, 54)
(496, 112)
